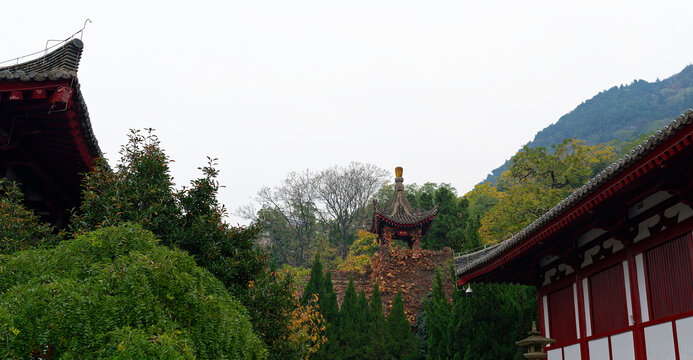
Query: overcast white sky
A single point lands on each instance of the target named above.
(446, 89)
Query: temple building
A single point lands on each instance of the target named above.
(613, 262)
(46, 139)
(399, 220)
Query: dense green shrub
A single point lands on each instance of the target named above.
(20, 228)
(114, 293)
(140, 189)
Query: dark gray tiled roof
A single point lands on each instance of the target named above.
(60, 64)
(400, 211)
(464, 264)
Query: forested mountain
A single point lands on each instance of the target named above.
(620, 113)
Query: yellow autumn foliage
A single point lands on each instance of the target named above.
(307, 327)
(360, 252)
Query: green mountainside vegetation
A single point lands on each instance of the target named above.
(619, 113)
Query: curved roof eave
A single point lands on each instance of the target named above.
(60, 64)
(463, 265)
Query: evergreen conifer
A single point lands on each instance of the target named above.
(379, 334)
(438, 321)
(364, 327)
(315, 283)
(328, 300)
(402, 343)
(348, 323)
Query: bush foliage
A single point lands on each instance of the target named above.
(20, 228)
(114, 293)
(140, 189)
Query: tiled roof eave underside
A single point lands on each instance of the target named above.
(518, 243)
(60, 64)
(405, 224)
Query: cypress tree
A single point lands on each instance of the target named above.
(439, 317)
(330, 312)
(315, 283)
(328, 300)
(363, 340)
(348, 323)
(379, 332)
(402, 344)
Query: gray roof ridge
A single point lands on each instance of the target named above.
(61, 63)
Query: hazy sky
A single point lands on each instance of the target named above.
(446, 89)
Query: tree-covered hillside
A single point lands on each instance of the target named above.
(620, 113)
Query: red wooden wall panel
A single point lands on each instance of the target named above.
(608, 300)
(562, 315)
(669, 278)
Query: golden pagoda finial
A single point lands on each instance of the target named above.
(398, 171)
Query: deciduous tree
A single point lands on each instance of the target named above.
(537, 180)
(295, 200)
(344, 193)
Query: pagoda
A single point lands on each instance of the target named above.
(46, 138)
(399, 220)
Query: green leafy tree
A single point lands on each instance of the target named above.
(402, 344)
(20, 228)
(451, 223)
(140, 190)
(115, 293)
(537, 180)
(360, 252)
(482, 198)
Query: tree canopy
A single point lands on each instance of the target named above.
(20, 228)
(484, 325)
(140, 190)
(311, 212)
(115, 293)
(536, 181)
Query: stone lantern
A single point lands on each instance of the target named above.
(535, 344)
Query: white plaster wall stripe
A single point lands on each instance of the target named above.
(577, 311)
(642, 289)
(629, 300)
(586, 299)
(546, 316)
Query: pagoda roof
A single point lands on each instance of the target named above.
(59, 65)
(46, 138)
(615, 179)
(400, 212)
